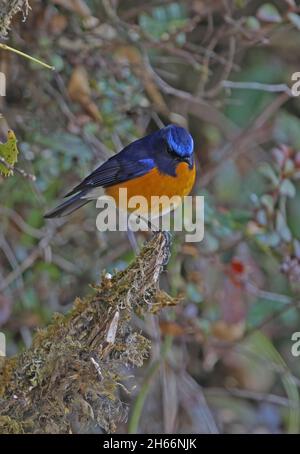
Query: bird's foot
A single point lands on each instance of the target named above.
(167, 247)
(167, 236)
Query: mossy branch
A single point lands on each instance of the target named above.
(8, 8)
(70, 379)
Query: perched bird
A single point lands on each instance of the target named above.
(159, 164)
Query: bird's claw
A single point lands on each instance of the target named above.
(168, 242)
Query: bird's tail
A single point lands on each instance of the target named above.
(68, 206)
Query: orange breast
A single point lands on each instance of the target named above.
(157, 184)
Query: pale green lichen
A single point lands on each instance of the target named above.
(70, 379)
(8, 8)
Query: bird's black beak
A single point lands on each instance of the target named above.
(189, 160)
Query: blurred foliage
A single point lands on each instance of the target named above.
(9, 152)
(222, 69)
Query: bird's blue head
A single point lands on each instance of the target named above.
(178, 140)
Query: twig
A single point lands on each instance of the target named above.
(140, 401)
(22, 172)
(21, 269)
(246, 139)
(272, 317)
(16, 51)
(197, 106)
(227, 69)
(253, 290)
(248, 394)
(28, 262)
(192, 399)
(20, 223)
(272, 88)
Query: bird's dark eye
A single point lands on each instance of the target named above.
(169, 149)
(172, 152)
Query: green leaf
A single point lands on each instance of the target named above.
(268, 202)
(266, 170)
(9, 152)
(193, 293)
(287, 129)
(268, 13)
(289, 167)
(293, 215)
(228, 182)
(294, 19)
(271, 239)
(268, 356)
(282, 228)
(164, 20)
(252, 23)
(261, 217)
(287, 188)
(210, 243)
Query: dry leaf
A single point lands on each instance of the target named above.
(79, 91)
(76, 6)
(132, 56)
(228, 332)
(189, 249)
(58, 23)
(171, 328)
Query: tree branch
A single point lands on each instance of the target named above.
(70, 378)
(8, 8)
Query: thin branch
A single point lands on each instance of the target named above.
(247, 138)
(272, 88)
(20, 223)
(29, 57)
(21, 172)
(248, 394)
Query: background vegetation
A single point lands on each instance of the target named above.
(221, 360)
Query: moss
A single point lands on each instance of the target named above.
(7, 10)
(70, 379)
(7, 367)
(10, 426)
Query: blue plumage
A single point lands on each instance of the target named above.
(163, 150)
(149, 163)
(179, 140)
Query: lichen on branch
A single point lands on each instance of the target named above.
(8, 8)
(69, 381)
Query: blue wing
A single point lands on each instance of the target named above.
(132, 162)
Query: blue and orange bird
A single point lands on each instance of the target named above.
(159, 164)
